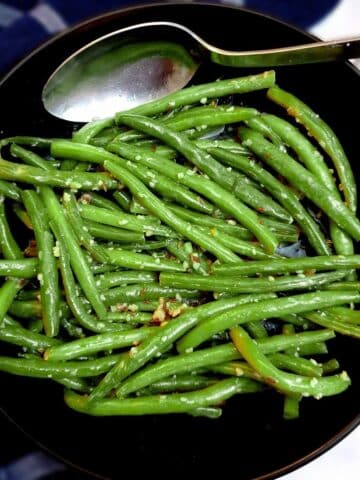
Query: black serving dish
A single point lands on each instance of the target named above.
(250, 440)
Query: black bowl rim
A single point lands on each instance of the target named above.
(347, 429)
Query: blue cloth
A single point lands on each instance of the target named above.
(24, 24)
(33, 466)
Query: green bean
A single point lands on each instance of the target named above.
(169, 188)
(291, 407)
(196, 93)
(80, 230)
(149, 225)
(221, 353)
(327, 320)
(214, 283)
(345, 314)
(241, 187)
(27, 140)
(68, 164)
(280, 228)
(187, 362)
(9, 321)
(302, 366)
(97, 343)
(282, 381)
(77, 259)
(186, 254)
(140, 139)
(8, 245)
(289, 265)
(129, 317)
(207, 164)
(235, 369)
(98, 268)
(226, 144)
(137, 208)
(147, 246)
(18, 335)
(32, 308)
(146, 291)
(82, 167)
(10, 190)
(207, 188)
(325, 136)
(105, 136)
(299, 365)
(298, 341)
(43, 369)
(178, 383)
(30, 158)
(204, 203)
(160, 404)
(122, 278)
(211, 222)
(8, 291)
(79, 310)
(11, 251)
(314, 161)
(22, 268)
(354, 286)
(209, 116)
(107, 232)
(140, 261)
(260, 311)
(72, 328)
(48, 276)
(55, 178)
(77, 384)
(146, 306)
(256, 329)
(318, 348)
(158, 208)
(242, 247)
(81, 152)
(122, 199)
(161, 341)
(283, 194)
(98, 201)
(36, 325)
(91, 129)
(145, 145)
(22, 215)
(26, 308)
(296, 320)
(330, 366)
(229, 227)
(288, 329)
(303, 180)
(260, 125)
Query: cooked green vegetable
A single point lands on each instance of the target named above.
(147, 268)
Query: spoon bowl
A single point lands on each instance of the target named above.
(137, 64)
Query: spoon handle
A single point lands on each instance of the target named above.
(294, 55)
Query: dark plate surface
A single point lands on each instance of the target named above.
(250, 440)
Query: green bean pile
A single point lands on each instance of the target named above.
(146, 261)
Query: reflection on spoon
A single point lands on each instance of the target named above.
(116, 78)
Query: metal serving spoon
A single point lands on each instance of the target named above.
(147, 61)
